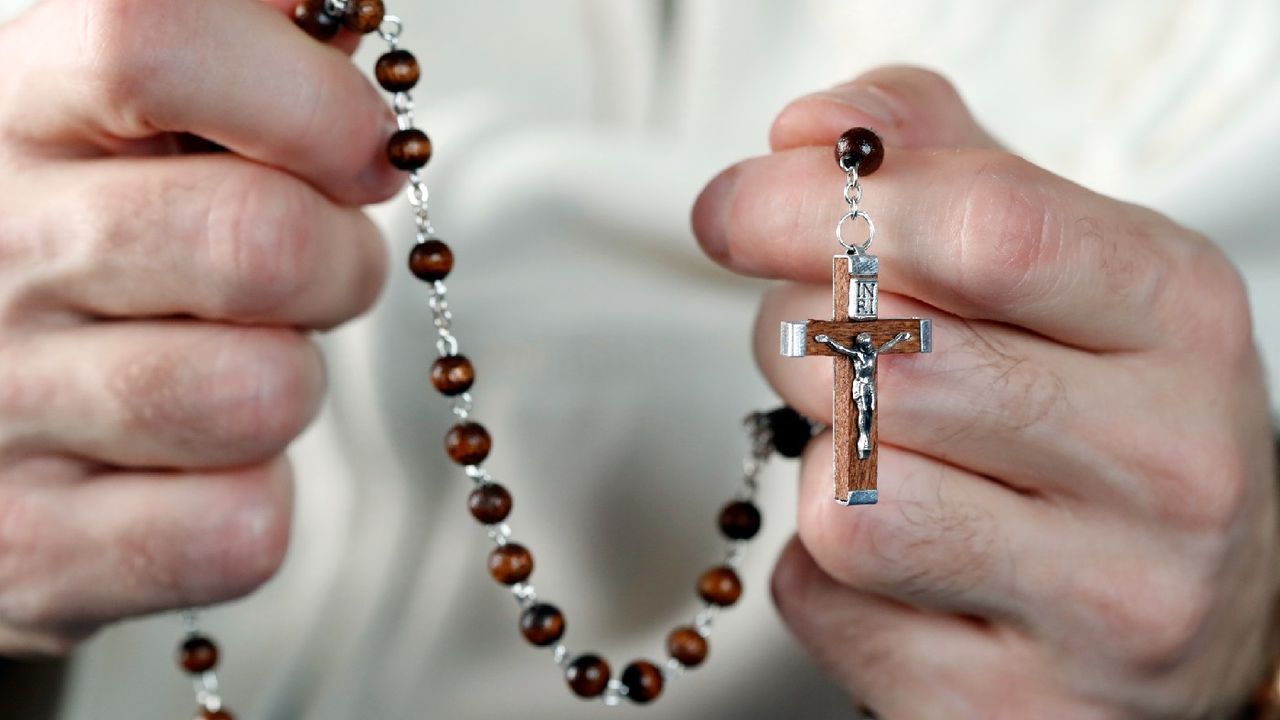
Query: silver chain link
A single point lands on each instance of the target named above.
(853, 198)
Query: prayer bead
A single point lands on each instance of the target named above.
(740, 520)
(588, 675)
(688, 646)
(860, 148)
(542, 625)
(198, 654)
(431, 261)
(643, 681)
(409, 149)
(453, 375)
(311, 17)
(397, 71)
(790, 431)
(365, 16)
(490, 503)
(510, 564)
(468, 443)
(720, 586)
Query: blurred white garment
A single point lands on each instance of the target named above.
(614, 359)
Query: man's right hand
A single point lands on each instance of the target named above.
(154, 305)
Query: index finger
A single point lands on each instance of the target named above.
(236, 72)
(979, 233)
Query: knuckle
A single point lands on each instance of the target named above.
(260, 238)
(1206, 485)
(1152, 619)
(1005, 232)
(1223, 315)
(1162, 636)
(121, 68)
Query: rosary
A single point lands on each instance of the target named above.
(854, 336)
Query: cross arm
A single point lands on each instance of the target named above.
(798, 337)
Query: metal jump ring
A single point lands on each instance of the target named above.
(853, 194)
(390, 29)
(871, 232)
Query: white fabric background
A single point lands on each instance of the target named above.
(572, 138)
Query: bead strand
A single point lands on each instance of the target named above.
(198, 657)
(468, 443)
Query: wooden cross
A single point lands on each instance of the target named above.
(855, 337)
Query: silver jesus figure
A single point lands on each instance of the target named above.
(863, 355)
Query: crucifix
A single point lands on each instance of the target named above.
(855, 337)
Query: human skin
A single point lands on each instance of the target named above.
(1078, 503)
(1032, 556)
(156, 307)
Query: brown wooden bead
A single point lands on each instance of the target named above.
(860, 148)
(643, 681)
(542, 624)
(789, 431)
(365, 16)
(588, 675)
(409, 149)
(215, 715)
(198, 654)
(397, 71)
(453, 375)
(468, 443)
(720, 586)
(431, 261)
(740, 520)
(688, 646)
(311, 17)
(510, 564)
(490, 503)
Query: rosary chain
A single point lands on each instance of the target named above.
(447, 346)
(409, 149)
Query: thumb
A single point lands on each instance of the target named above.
(908, 107)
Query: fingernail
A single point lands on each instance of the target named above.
(379, 177)
(867, 100)
(711, 214)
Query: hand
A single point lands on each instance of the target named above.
(1078, 514)
(155, 307)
